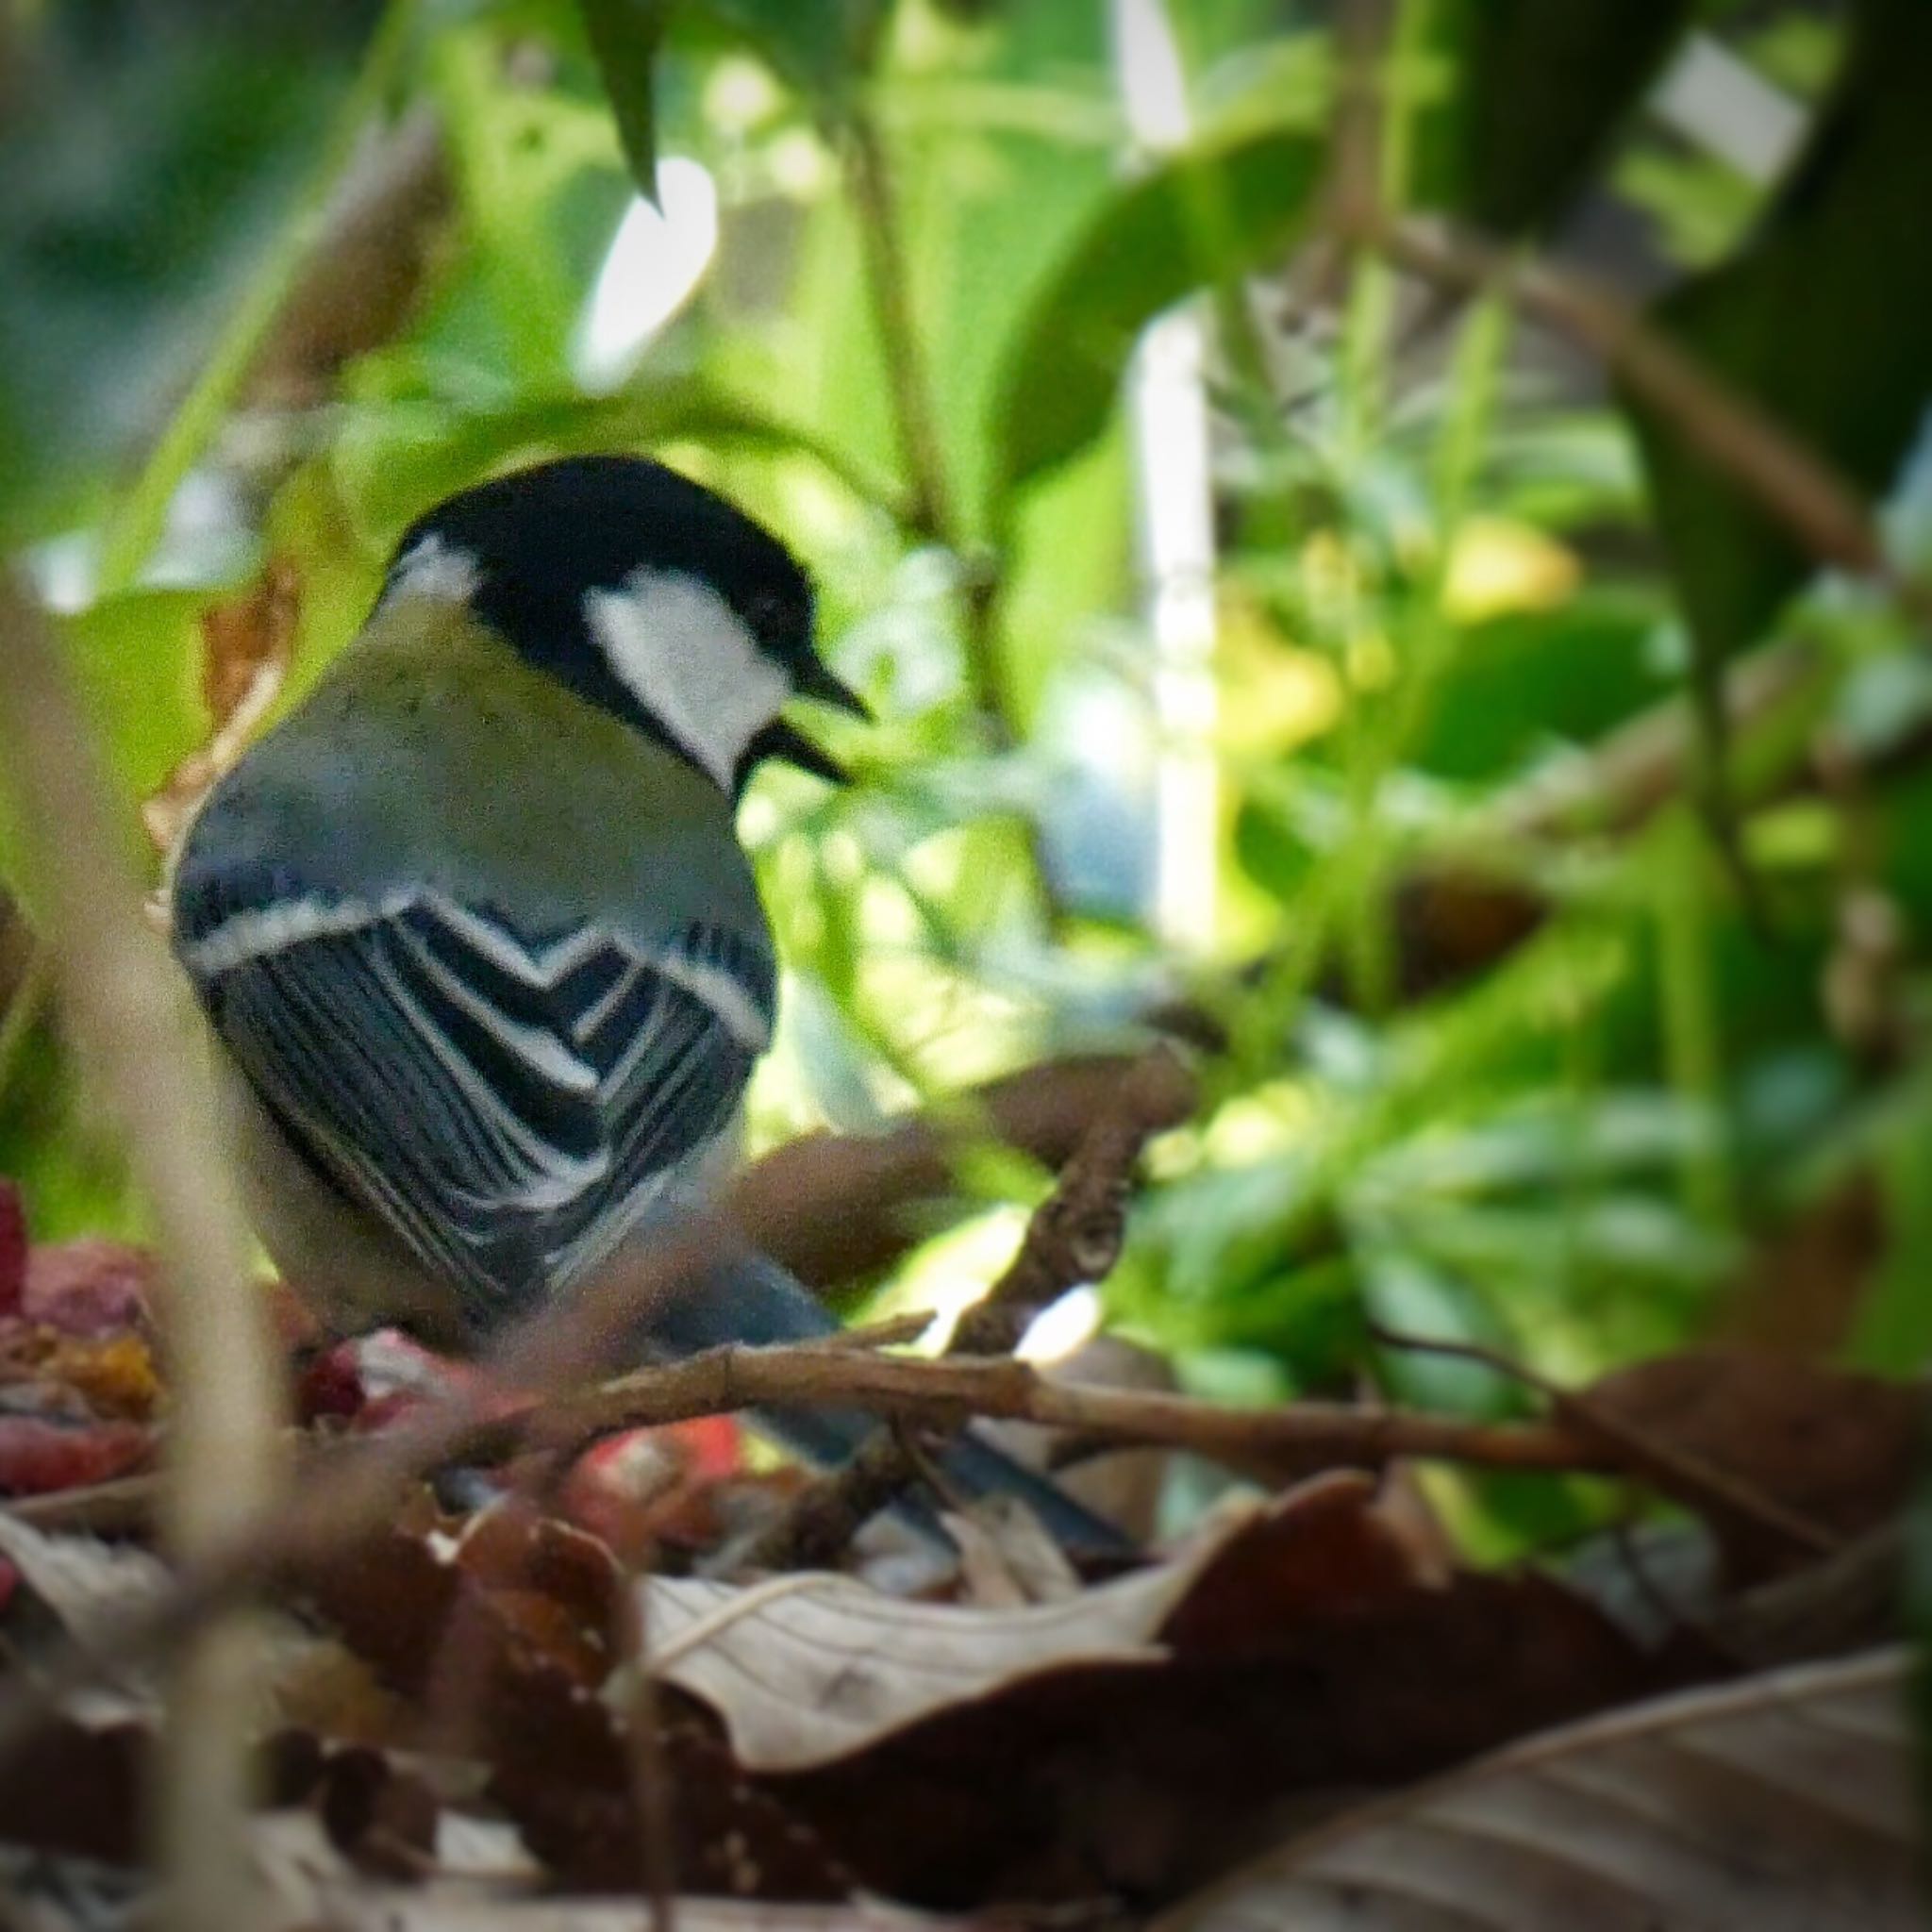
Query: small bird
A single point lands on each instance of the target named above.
(475, 931)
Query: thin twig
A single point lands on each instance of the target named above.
(820, 1521)
(1792, 481)
(650, 1770)
(1850, 1601)
(1073, 1237)
(933, 511)
(353, 1493)
(1690, 1478)
(872, 1187)
(948, 1391)
(124, 1009)
(116, 1508)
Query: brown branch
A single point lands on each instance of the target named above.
(878, 1190)
(1792, 481)
(1074, 1236)
(365, 275)
(819, 1523)
(1353, 191)
(353, 1493)
(947, 1391)
(125, 1506)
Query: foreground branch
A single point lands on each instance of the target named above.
(119, 1000)
(947, 1392)
(352, 1494)
(1074, 1237)
(877, 1189)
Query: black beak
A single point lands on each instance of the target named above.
(829, 689)
(781, 739)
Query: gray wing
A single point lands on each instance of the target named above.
(509, 1103)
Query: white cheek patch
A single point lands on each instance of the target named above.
(691, 662)
(435, 569)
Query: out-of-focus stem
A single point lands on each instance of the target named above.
(933, 510)
(122, 1007)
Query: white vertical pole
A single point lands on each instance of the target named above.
(1175, 502)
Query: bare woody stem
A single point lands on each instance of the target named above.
(946, 1392)
(1074, 1236)
(1795, 483)
(353, 1495)
(933, 511)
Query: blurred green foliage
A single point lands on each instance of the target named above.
(1452, 586)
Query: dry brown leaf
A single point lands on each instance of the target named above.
(497, 1637)
(247, 646)
(1837, 1448)
(808, 1668)
(1316, 1657)
(1785, 1804)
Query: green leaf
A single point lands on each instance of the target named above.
(1200, 219)
(1826, 319)
(1547, 85)
(1413, 1297)
(625, 35)
(1269, 850)
(134, 657)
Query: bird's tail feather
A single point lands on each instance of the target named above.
(749, 1298)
